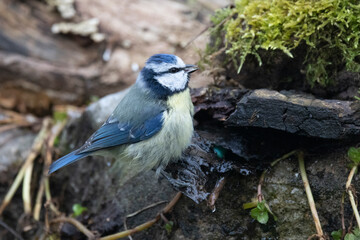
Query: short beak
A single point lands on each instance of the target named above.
(191, 68)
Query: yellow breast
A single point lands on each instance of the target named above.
(172, 140)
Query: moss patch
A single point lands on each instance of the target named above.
(328, 28)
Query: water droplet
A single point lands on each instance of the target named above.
(213, 209)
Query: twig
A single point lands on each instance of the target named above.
(351, 196)
(146, 225)
(77, 224)
(48, 197)
(314, 236)
(207, 28)
(343, 227)
(14, 120)
(215, 193)
(38, 142)
(55, 132)
(309, 195)
(285, 156)
(37, 206)
(132, 231)
(196, 36)
(140, 211)
(12, 126)
(260, 196)
(26, 195)
(12, 231)
(162, 216)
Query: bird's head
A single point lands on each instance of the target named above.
(165, 74)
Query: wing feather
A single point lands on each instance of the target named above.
(114, 133)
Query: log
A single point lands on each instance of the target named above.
(295, 113)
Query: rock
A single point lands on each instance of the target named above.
(298, 114)
(294, 113)
(15, 146)
(284, 192)
(99, 111)
(245, 153)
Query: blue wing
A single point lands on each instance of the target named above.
(113, 133)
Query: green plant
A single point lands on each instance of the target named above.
(78, 209)
(356, 97)
(260, 213)
(328, 28)
(59, 116)
(169, 226)
(336, 235)
(354, 235)
(354, 155)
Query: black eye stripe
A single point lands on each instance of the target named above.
(171, 70)
(175, 70)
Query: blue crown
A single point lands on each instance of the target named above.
(160, 58)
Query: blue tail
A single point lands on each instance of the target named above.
(66, 160)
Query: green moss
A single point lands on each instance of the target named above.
(329, 29)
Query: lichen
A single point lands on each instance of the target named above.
(328, 28)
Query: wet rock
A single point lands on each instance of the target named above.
(295, 113)
(247, 151)
(216, 103)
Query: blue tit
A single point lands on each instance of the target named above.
(150, 126)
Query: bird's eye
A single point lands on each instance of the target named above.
(174, 70)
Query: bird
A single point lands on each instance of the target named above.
(151, 125)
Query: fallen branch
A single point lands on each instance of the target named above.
(77, 224)
(44, 182)
(140, 211)
(146, 225)
(215, 193)
(309, 195)
(35, 150)
(350, 190)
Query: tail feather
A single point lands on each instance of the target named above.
(66, 160)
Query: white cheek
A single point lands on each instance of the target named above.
(173, 81)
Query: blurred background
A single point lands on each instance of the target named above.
(64, 64)
(71, 52)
